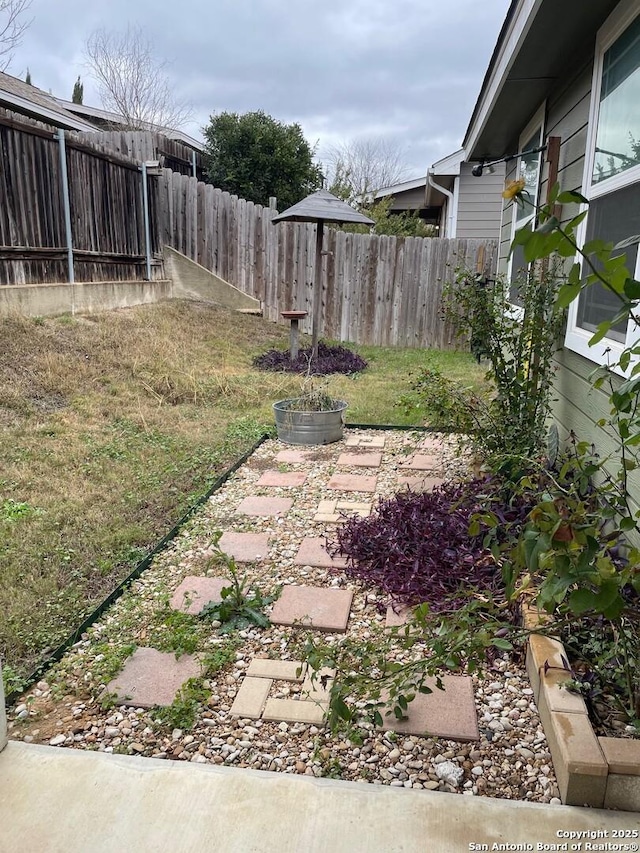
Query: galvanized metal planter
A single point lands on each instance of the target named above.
(305, 427)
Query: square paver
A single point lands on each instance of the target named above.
(279, 670)
(334, 511)
(251, 697)
(449, 713)
(264, 506)
(284, 479)
(150, 677)
(325, 609)
(365, 441)
(244, 547)
(196, 591)
(294, 711)
(420, 484)
(352, 483)
(397, 616)
(431, 444)
(423, 462)
(293, 457)
(313, 552)
(318, 688)
(361, 460)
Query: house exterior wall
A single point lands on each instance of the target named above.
(479, 203)
(408, 200)
(576, 406)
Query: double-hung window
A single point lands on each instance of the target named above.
(611, 179)
(528, 169)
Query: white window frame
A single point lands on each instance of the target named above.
(608, 350)
(537, 121)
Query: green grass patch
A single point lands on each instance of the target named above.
(112, 426)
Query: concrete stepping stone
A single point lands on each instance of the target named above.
(294, 711)
(318, 687)
(420, 484)
(361, 460)
(352, 483)
(365, 441)
(278, 670)
(251, 697)
(431, 444)
(449, 713)
(334, 511)
(312, 552)
(324, 609)
(397, 617)
(264, 506)
(423, 462)
(196, 591)
(284, 479)
(293, 457)
(150, 677)
(244, 547)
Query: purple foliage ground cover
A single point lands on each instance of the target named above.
(331, 359)
(416, 547)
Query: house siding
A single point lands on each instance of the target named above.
(408, 200)
(479, 203)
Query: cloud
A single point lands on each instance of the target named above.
(409, 70)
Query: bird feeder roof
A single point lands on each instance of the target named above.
(322, 206)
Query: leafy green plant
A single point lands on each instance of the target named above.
(241, 604)
(443, 403)
(182, 712)
(11, 510)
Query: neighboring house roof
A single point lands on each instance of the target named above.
(28, 100)
(111, 118)
(541, 43)
(402, 187)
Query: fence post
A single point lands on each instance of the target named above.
(3, 715)
(145, 207)
(67, 211)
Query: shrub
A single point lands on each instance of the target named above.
(331, 359)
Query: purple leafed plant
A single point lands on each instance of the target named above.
(416, 547)
(331, 359)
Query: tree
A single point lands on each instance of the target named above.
(256, 157)
(12, 27)
(405, 224)
(131, 81)
(363, 166)
(78, 92)
(27, 77)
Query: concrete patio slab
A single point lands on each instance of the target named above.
(449, 713)
(333, 512)
(195, 591)
(352, 483)
(360, 460)
(71, 801)
(365, 441)
(244, 547)
(284, 479)
(312, 552)
(264, 506)
(324, 609)
(150, 677)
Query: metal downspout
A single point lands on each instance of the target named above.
(449, 195)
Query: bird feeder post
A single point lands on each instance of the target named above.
(294, 335)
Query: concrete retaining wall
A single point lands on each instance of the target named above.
(33, 300)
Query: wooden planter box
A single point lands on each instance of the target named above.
(602, 772)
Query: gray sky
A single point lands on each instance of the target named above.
(408, 70)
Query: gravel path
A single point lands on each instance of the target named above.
(511, 759)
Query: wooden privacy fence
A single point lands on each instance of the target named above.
(69, 210)
(375, 290)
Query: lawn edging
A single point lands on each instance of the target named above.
(601, 772)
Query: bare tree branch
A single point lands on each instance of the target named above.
(132, 81)
(365, 165)
(12, 28)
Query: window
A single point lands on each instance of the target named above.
(529, 168)
(612, 178)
